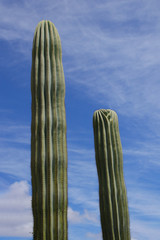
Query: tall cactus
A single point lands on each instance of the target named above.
(112, 190)
(48, 136)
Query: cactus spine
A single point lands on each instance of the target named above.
(112, 190)
(48, 136)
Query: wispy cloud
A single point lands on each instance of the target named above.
(15, 150)
(117, 51)
(82, 177)
(146, 152)
(144, 230)
(143, 200)
(144, 203)
(11, 132)
(15, 161)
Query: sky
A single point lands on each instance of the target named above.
(111, 60)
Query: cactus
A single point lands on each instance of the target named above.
(112, 191)
(48, 136)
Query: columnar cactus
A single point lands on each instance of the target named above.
(48, 136)
(112, 191)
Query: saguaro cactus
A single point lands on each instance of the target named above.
(112, 190)
(48, 136)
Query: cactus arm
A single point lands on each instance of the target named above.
(112, 190)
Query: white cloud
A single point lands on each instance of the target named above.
(74, 217)
(96, 236)
(15, 208)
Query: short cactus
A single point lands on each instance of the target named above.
(48, 136)
(112, 191)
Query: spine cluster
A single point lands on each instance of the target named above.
(112, 190)
(48, 136)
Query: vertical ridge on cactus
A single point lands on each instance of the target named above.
(48, 136)
(112, 191)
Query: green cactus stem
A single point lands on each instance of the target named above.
(48, 136)
(112, 191)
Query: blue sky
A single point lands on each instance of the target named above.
(111, 60)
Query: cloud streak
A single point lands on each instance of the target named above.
(15, 150)
(123, 46)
